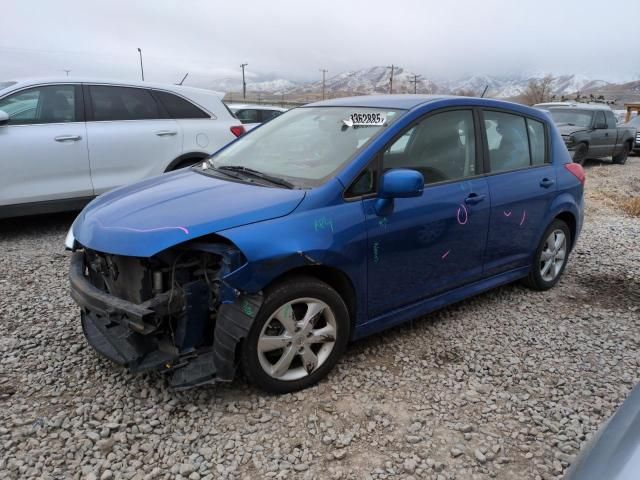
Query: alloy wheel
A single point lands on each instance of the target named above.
(554, 253)
(297, 339)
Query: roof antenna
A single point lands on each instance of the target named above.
(183, 78)
(484, 91)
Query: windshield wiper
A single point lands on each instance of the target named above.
(255, 173)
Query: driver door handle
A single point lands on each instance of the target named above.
(474, 198)
(67, 138)
(166, 133)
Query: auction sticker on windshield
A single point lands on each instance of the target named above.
(365, 120)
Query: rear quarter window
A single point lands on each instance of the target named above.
(178, 107)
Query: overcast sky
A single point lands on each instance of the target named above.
(293, 39)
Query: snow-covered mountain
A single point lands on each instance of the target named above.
(229, 84)
(376, 80)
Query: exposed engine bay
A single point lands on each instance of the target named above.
(172, 312)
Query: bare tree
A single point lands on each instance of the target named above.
(539, 90)
(466, 92)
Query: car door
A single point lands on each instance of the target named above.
(43, 148)
(611, 136)
(522, 186)
(429, 244)
(130, 136)
(600, 139)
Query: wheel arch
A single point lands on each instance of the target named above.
(334, 277)
(182, 158)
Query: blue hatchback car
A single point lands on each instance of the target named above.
(331, 222)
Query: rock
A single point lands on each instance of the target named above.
(479, 456)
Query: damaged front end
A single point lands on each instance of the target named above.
(172, 312)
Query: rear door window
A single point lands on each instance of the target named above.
(178, 107)
(123, 103)
(507, 141)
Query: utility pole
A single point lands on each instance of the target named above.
(141, 67)
(415, 83)
(324, 71)
(67, 72)
(244, 84)
(392, 67)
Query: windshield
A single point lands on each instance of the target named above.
(578, 118)
(305, 146)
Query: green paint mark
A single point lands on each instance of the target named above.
(247, 309)
(323, 223)
(376, 252)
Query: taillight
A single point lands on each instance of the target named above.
(237, 130)
(577, 171)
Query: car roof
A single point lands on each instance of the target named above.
(576, 105)
(255, 106)
(26, 82)
(410, 101)
(399, 101)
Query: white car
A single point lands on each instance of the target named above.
(253, 115)
(64, 141)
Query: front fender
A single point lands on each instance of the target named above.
(333, 236)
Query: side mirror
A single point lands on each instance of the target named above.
(601, 126)
(401, 183)
(4, 118)
(397, 183)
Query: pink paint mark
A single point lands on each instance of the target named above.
(507, 214)
(466, 215)
(445, 254)
(524, 215)
(147, 230)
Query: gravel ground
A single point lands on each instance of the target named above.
(506, 385)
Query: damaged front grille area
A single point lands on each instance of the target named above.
(162, 313)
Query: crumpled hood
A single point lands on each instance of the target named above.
(569, 129)
(145, 218)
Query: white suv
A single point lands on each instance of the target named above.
(62, 142)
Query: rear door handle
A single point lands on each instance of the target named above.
(474, 198)
(67, 138)
(546, 182)
(166, 133)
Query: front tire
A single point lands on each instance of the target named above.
(551, 257)
(581, 153)
(299, 334)
(621, 158)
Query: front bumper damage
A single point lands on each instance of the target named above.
(188, 330)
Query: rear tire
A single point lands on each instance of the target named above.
(299, 334)
(621, 158)
(551, 257)
(580, 154)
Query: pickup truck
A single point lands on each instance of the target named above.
(590, 131)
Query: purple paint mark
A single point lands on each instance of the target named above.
(466, 215)
(146, 230)
(445, 254)
(507, 214)
(524, 215)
